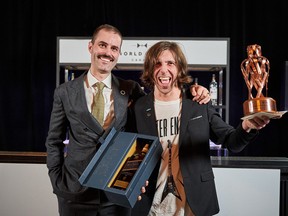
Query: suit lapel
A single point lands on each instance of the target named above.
(185, 116)
(149, 117)
(189, 109)
(121, 96)
(78, 101)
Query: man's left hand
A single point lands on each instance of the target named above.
(200, 93)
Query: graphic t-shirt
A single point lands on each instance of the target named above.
(169, 199)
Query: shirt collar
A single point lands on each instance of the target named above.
(92, 80)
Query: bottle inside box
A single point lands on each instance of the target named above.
(130, 164)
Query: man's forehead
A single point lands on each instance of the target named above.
(109, 37)
(166, 54)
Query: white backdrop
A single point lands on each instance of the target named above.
(25, 190)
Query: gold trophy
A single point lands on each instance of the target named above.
(255, 70)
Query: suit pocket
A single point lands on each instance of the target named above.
(198, 128)
(196, 117)
(207, 176)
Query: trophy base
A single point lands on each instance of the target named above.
(262, 104)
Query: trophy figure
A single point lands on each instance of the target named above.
(255, 70)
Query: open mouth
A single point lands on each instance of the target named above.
(164, 80)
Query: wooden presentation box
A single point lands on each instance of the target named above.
(108, 162)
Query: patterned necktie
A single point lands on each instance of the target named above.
(98, 103)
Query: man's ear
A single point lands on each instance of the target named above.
(90, 46)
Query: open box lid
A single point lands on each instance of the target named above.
(108, 158)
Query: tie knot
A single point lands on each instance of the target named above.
(100, 86)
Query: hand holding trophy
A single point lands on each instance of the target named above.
(255, 70)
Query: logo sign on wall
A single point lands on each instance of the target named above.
(198, 52)
(202, 51)
(133, 51)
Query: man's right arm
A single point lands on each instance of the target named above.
(54, 141)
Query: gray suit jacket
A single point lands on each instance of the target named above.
(70, 111)
(199, 123)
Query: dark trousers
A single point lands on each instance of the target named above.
(69, 208)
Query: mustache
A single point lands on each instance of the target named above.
(106, 56)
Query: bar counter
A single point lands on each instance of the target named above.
(260, 163)
(246, 163)
(251, 162)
